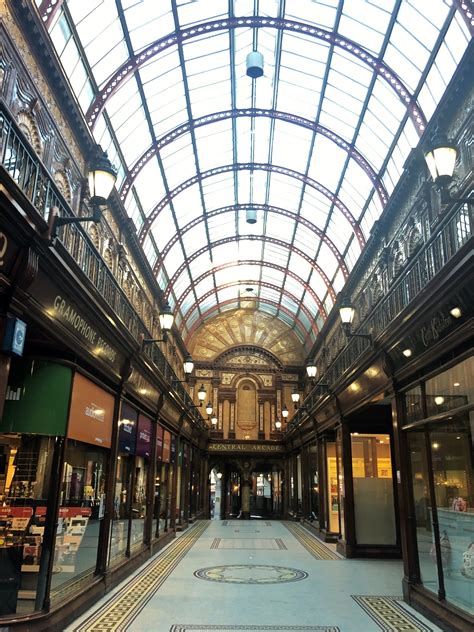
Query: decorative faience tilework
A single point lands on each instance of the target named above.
(250, 574)
(252, 628)
(389, 614)
(118, 612)
(313, 545)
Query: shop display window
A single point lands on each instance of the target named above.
(299, 484)
(341, 484)
(374, 509)
(423, 513)
(332, 484)
(158, 487)
(451, 389)
(442, 468)
(124, 483)
(82, 506)
(313, 483)
(413, 405)
(142, 471)
(453, 469)
(451, 446)
(25, 479)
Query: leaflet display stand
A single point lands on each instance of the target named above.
(14, 523)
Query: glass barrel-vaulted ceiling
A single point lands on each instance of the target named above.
(315, 146)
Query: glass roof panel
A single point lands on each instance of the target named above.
(327, 260)
(149, 186)
(165, 229)
(320, 77)
(147, 21)
(181, 283)
(204, 286)
(365, 22)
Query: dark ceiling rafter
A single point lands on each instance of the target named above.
(247, 166)
(257, 263)
(265, 284)
(257, 207)
(263, 238)
(217, 117)
(126, 70)
(215, 310)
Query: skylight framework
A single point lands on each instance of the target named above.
(315, 146)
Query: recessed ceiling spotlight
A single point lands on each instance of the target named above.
(456, 312)
(407, 353)
(439, 399)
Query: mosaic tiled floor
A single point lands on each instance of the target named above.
(314, 546)
(390, 614)
(250, 574)
(249, 544)
(119, 611)
(251, 628)
(245, 524)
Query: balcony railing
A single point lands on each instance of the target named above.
(448, 239)
(25, 168)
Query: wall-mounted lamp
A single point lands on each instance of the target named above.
(441, 157)
(311, 369)
(347, 313)
(284, 411)
(278, 425)
(209, 408)
(166, 322)
(201, 397)
(214, 422)
(295, 397)
(188, 365)
(101, 177)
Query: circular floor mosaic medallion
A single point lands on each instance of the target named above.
(250, 574)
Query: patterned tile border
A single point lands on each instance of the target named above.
(119, 611)
(249, 544)
(313, 545)
(389, 614)
(182, 627)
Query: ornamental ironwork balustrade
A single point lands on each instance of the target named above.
(24, 167)
(452, 234)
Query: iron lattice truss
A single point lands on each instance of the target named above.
(313, 148)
